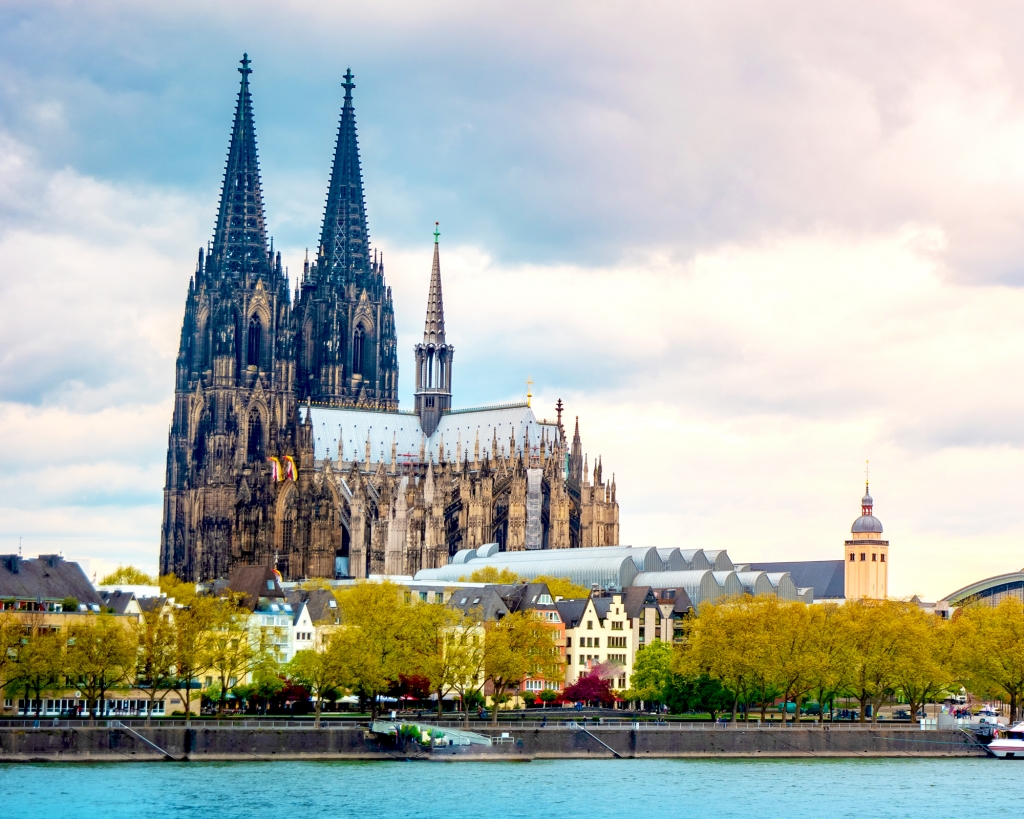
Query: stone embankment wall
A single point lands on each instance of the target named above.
(93, 744)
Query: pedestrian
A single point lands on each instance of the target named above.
(544, 722)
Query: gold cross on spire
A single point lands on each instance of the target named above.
(867, 472)
(529, 389)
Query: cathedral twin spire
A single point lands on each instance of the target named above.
(344, 241)
(240, 238)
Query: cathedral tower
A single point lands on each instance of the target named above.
(433, 356)
(867, 555)
(347, 348)
(234, 374)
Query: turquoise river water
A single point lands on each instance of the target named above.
(597, 789)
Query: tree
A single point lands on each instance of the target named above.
(38, 660)
(320, 670)
(790, 653)
(829, 651)
(700, 693)
(923, 665)
(875, 642)
(562, 587)
(490, 574)
(12, 631)
(726, 642)
(181, 591)
(450, 653)
(101, 654)
(652, 670)
(127, 576)
(521, 644)
(590, 688)
(192, 626)
(990, 650)
(464, 649)
(232, 648)
(377, 638)
(154, 635)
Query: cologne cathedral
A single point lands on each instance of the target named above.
(287, 447)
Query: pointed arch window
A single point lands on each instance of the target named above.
(255, 341)
(358, 350)
(255, 448)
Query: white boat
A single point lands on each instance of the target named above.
(1008, 743)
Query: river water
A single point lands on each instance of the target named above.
(594, 789)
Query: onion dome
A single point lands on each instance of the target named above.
(867, 522)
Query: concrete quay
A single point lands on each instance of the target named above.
(116, 742)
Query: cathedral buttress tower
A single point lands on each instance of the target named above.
(348, 354)
(234, 377)
(433, 356)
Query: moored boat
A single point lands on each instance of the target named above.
(1008, 743)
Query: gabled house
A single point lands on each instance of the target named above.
(271, 618)
(315, 614)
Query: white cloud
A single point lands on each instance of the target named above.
(791, 232)
(736, 397)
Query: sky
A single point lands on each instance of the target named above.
(752, 245)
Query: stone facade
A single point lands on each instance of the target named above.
(286, 445)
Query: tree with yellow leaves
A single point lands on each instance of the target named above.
(378, 639)
(491, 574)
(829, 651)
(450, 651)
(990, 650)
(726, 642)
(154, 635)
(519, 645)
(101, 654)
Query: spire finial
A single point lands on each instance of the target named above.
(867, 474)
(529, 389)
(245, 71)
(437, 232)
(348, 85)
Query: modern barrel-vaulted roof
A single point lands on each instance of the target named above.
(701, 586)
(608, 572)
(990, 590)
(627, 568)
(826, 577)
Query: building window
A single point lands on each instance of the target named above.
(582, 659)
(590, 624)
(852, 557)
(597, 642)
(255, 336)
(357, 351)
(616, 625)
(883, 558)
(255, 451)
(863, 557)
(568, 642)
(438, 597)
(874, 557)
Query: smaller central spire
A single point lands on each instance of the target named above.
(433, 357)
(433, 329)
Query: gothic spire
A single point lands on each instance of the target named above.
(433, 330)
(240, 239)
(344, 240)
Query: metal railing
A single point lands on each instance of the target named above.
(329, 723)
